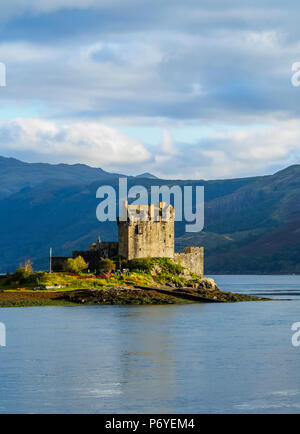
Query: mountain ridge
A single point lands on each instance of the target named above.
(251, 224)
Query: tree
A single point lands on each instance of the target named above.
(24, 274)
(106, 265)
(28, 268)
(75, 265)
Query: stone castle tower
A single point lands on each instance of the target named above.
(147, 232)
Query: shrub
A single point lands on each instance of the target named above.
(24, 274)
(28, 268)
(106, 265)
(146, 265)
(140, 264)
(75, 265)
(123, 263)
(167, 266)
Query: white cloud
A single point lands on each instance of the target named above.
(90, 143)
(225, 154)
(167, 143)
(233, 152)
(24, 53)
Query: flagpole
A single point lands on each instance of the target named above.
(50, 260)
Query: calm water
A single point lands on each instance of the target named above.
(190, 358)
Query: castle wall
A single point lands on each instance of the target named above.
(58, 263)
(153, 239)
(192, 258)
(105, 250)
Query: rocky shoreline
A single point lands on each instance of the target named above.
(123, 295)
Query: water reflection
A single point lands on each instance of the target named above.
(188, 358)
(147, 357)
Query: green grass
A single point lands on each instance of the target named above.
(160, 270)
(42, 279)
(145, 272)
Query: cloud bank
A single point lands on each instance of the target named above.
(90, 143)
(88, 68)
(218, 155)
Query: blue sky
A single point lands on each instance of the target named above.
(195, 89)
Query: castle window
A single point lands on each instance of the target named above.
(138, 229)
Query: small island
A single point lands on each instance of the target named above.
(141, 281)
(141, 268)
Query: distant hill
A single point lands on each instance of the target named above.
(147, 175)
(16, 175)
(254, 229)
(252, 225)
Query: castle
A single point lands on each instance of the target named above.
(144, 231)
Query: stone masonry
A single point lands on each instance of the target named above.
(192, 258)
(148, 232)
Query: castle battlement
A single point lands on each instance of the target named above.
(154, 213)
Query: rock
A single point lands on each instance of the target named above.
(185, 274)
(207, 283)
(54, 287)
(44, 288)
